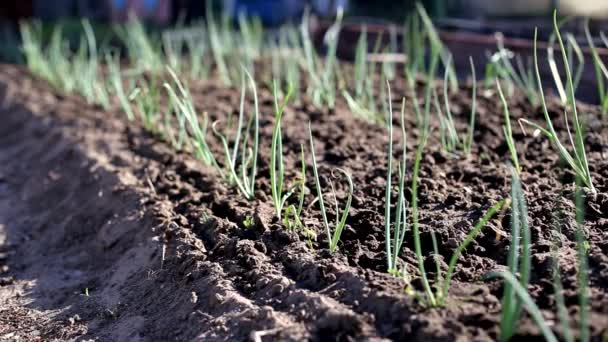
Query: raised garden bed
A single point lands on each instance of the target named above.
(110, 233)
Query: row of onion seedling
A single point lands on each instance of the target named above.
(182, 126)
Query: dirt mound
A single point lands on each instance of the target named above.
(108, 233)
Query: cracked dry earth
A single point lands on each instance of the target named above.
(106, 233)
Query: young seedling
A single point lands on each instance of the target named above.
(329, 77)
(522, 76)
(245, 179)
(413, 39)
(449, 135)
(33, 49)
(115, 80)
(197, 53)
(217, 48)
(572, 48)
(173, 47)
(467, 142)
(276, 155)
(577, 161)
(438, 50)
(322, 77)
(394, 237)
(506, 128)
(142, 50)
(516, 294)
(511, 305)
(293, 214)
(363, 103)
(521, 294)
(184, 108)
(601, 72)
(147, 101)
(439, 298)
(332, 236)
(173, 111)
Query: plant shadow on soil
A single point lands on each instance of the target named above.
(91, 204)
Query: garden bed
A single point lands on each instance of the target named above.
(109, 233)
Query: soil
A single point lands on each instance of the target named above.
(107, 233)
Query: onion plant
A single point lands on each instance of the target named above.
(195, 42)
(449, 136)
(115, 81)
(68, 71)
(516, 296)
(292, 218)
(573, 49)
(439, 297)
(394, 237)
(388, 66)
(322, 76)
(507, 129)
(413, 39)
(290, 43)
(217, 44)
(520, 239)
(438, 50)
(181, 100)
(279, 198)
(142, 49)
(333, 235)
(363, 102)
(601, 72)
(521, 294)
(33, 49)
(578, 160)
(173, 47)
(172, 114)
(251, 37)
(467, 142)
(522, 74)
(244, 179)
(146, 97)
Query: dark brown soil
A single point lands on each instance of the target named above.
(107, 233)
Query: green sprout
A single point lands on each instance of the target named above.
(577, 162)
(394, 238)
(184, 108)
(507, 130)
(276, 155)
(439, 298)
(521, 294)
(245, 179)
(572, 49)
(333, 237)
(511, 305)
(601, 72)
(522, 75)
